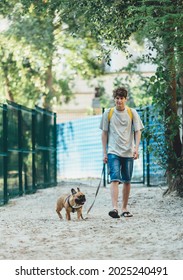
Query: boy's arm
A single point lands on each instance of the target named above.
(104, 145)
(137, 143)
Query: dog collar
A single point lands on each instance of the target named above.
(74, 207)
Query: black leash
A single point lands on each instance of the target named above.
(103, 170)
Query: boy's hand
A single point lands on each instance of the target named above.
(136, 153)
(105, 158)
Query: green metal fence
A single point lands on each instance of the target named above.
(27, 150)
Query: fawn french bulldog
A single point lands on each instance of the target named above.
(72, 203)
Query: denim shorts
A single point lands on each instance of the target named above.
(120, 169)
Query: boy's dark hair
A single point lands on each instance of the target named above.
(121, 91)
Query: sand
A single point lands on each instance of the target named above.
(31, 230)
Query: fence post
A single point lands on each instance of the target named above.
(45, 151)
(33, 150)
(5, 157)
(55, 146)
(143, 154)
(147, 151)
(104, 165)
(143, 145)
(20, 149)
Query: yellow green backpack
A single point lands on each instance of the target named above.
(128, 110)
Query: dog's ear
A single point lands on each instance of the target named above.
(78, 189)
(73, 191)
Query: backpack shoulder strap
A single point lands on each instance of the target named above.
(110, 113)
(112, 110)
(129, 110)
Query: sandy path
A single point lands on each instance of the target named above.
(31, 230)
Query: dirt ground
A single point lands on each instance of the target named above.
(31, 230)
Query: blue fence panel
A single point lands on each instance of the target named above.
(79, 150)
(156, 129)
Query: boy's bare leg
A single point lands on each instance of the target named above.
(114, 194)
(126, 193)
(114, 198)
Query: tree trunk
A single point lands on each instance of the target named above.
(172, 132)
(179, 186)
(181, 91)
(9, 94)
(180, 73)
(49, 86)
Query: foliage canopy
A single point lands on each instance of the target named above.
(162, 23)
(35, 42)
(38, 27)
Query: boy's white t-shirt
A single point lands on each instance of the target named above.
(121, 131)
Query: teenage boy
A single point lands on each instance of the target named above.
(121, 136)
